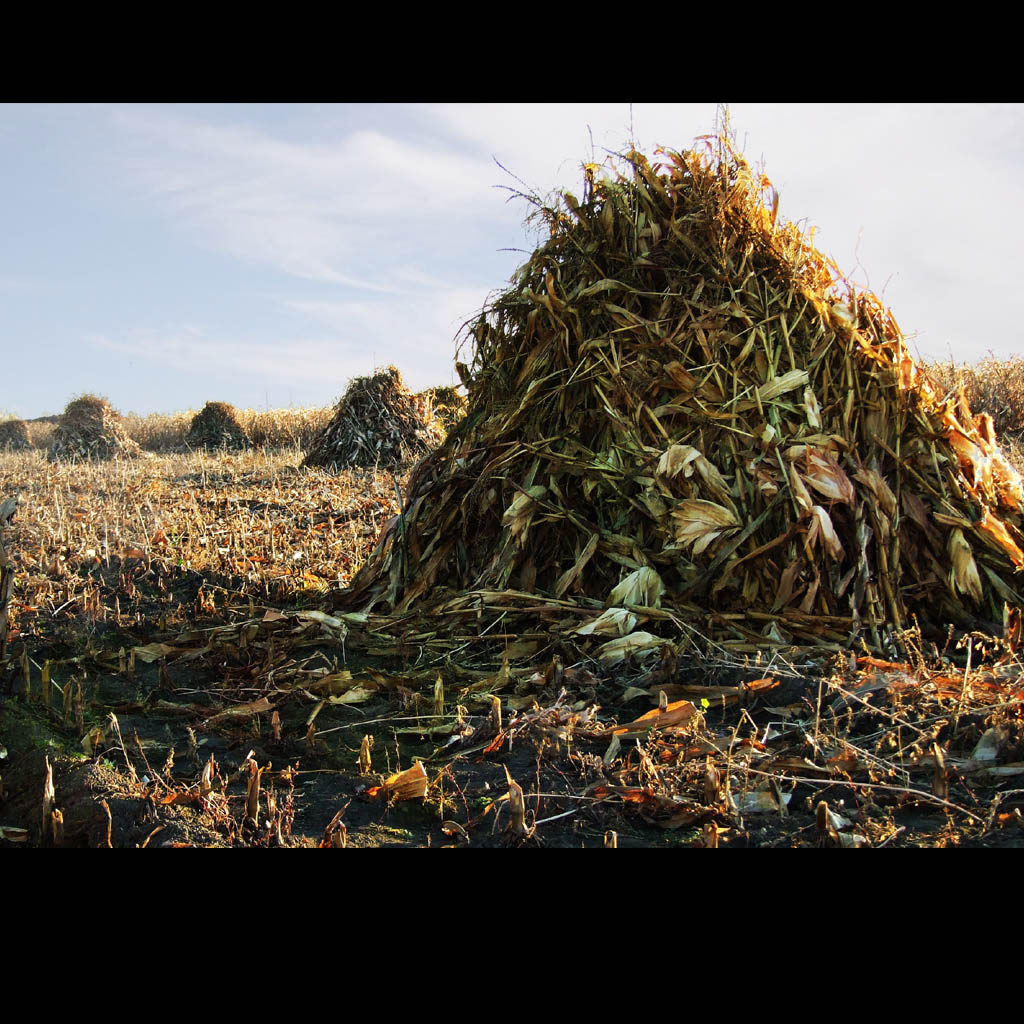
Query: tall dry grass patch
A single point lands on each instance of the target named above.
(995, 386)
(159, 432)
(271, 428)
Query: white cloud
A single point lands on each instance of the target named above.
(301, 362)
(417, 331)
(325, 212)
(414, 329)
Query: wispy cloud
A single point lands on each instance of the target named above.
(326, 212)
(330, 342)
(300, 361)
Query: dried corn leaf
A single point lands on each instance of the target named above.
(408, 785)
(641, 587)
(881, 491)
(821, 528)
(992, 527)
(611, 622)
(153, 652)
(519, 514)
(823, 473)
(252, 707)
(677, 458)
(963, 573)
(679, 713)
(782, 385)
(811, 410)
(635, 643)
(700, 523)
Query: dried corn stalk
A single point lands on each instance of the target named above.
(378, 422)
(679, 383)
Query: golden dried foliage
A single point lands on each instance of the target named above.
(448, 404)
(995, 386)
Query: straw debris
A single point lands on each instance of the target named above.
(378, 422)
(677, 381)
(90, 428)
(217, 426)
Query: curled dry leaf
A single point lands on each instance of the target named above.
(635, 643)
(611, 622)
(699, 523)
(641, 587)
(782, 385)
(821, 528)
(963, 574)
(674, 715)
(520, 513)
(408, 785)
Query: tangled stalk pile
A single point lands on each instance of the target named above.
(681, 409)
(90, 428)
(378, 422)
(217, 426)
(14, 435)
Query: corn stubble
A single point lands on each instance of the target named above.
(103, 541)
(678, 383)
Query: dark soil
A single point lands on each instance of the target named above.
(147, 772)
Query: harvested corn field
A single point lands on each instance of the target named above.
(167, 644)
(708, 561)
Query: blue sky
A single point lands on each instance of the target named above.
(262, 255)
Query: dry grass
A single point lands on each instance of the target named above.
(272, 428)
(168, 432)
(994, 386)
